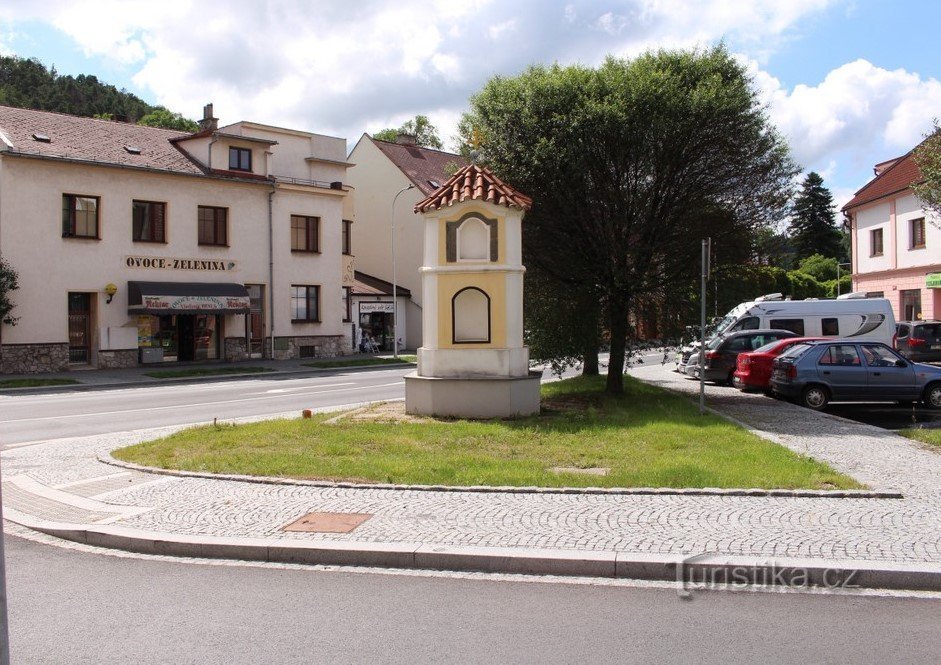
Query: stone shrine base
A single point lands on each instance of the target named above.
(476, 397)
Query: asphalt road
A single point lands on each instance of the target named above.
(73, 607)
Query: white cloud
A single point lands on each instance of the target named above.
(859, 109)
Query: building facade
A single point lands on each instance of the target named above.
(144, 245)
(379, 171)
(896, 243)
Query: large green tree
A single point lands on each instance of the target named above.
(163, 117)
(421, 128)
(9, 282)
(928, 157)
(813, 222)
(627, 164)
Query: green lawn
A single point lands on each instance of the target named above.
(932, 436)
(647, 438)
(203, 371)
(361, 362)
(36, 383)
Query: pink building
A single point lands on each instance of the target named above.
(896, 242)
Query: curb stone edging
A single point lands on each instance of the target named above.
(484, 489)
(817, 573)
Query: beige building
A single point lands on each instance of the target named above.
(144, 245)
(379, 171)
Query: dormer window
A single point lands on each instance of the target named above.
(240, 159)
(42, 138)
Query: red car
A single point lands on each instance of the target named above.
(753, 368)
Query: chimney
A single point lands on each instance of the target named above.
(406, 139)
(208, 122)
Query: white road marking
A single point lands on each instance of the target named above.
(278, 391)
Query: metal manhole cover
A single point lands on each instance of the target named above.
(328, 522)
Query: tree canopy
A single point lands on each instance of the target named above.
(162, 117)
(9, 282)
(629, 165)
(813, 224)
(26, 83)
(421, 128)
(928, 157)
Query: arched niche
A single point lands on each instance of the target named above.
(470, 316)
(471, 238)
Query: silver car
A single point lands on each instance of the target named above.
(815, 373)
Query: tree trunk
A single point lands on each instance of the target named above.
(590, 358)
(617, 326)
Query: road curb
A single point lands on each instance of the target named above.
(703, 571)
(506, 489)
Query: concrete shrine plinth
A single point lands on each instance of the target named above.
(473, 397)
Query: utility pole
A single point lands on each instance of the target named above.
(395, 294)
(704, 277)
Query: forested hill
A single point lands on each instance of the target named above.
(26, 83)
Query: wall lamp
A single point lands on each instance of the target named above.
(110, 290)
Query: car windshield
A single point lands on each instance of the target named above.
(929, 331)
(795, 351)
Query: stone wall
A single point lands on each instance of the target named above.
(325, 346)
(34, 358)
(117, 359)
(235, 349)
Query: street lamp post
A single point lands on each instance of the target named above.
(395, 300)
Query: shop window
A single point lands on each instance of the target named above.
(240, 159)
(875, 242)
(347, 237)
(79, 216)
(917, 233)
(149, 221)
(830, 327)
(470, 316)
(305, 303)
(213, 226)
(911, 304)
(305, 233)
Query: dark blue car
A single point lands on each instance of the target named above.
(816, 373)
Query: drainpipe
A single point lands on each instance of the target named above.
(211, 141)
(271, 270)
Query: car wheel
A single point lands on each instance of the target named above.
(815, 397)
(932, 396)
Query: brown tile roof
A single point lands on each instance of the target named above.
(89, 139)
(367, 285)
(421, 165)
(476, 183)
(897, 178)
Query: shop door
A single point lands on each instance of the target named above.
(79, 328)
(186, 334)
(255, 321)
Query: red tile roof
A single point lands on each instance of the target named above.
(897, 178)
(476, 183)
(423, 166)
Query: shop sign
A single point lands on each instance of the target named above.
(933, 280)
(194, 303)
(171, 263)
(370, 307)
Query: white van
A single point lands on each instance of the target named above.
(852, 315)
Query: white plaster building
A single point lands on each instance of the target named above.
(896, 243)
(136, 244)
(379, 171)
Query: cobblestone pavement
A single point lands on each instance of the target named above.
(906, 530)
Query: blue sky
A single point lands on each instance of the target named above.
(848, 82)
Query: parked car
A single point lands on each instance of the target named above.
(814, 373)
(919, 340)
(722, 352)
(753, 368)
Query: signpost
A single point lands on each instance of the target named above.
(704, 277)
